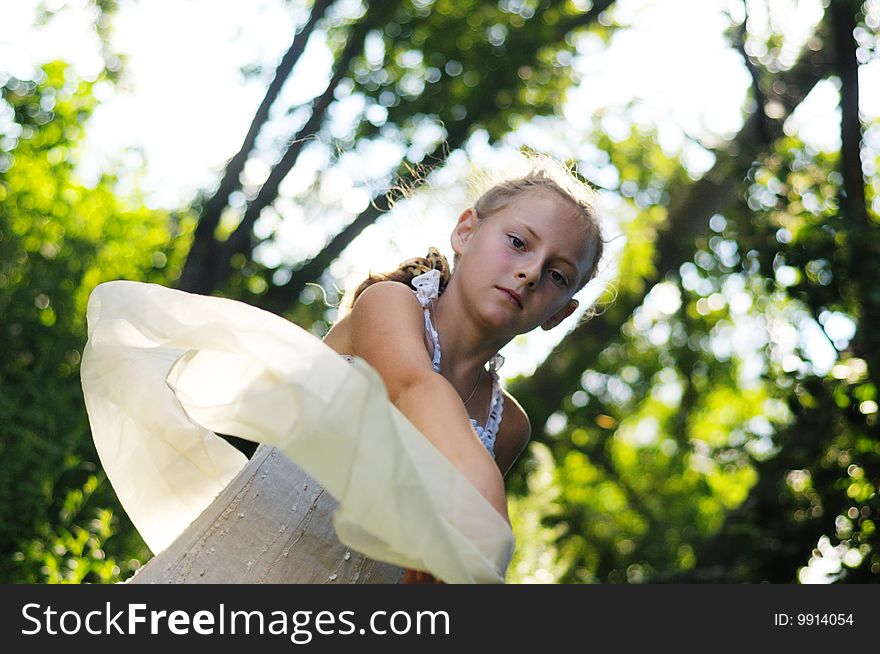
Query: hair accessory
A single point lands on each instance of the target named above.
(427, 286)
(433, 261)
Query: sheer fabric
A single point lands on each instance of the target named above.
(164, 371)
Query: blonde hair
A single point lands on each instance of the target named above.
(494, 192)
(538, 171)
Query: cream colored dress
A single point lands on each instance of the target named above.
(164, 370)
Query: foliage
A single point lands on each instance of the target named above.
(59, 238)
(717, 422)
(71, 548)
(729, 431)
(508, 62)
(399, 80)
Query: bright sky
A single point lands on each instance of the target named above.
(183, 56)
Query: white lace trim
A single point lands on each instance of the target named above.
(427, 287)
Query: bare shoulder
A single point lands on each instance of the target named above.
(386, 330)
(513, 435)
(391, 308)
(387, 295)
(379, 297)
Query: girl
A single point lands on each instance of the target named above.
(164, 371)
(522, 251)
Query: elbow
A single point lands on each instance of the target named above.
(490, 483)
(499, 503)
(419, 395)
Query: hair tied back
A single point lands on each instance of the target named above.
(410, 269)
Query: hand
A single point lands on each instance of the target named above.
(418, 577)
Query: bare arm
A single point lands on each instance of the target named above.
(387, 327)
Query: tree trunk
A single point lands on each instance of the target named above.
(863, 264)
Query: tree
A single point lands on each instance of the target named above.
(682, 454)
(505, 67)
(716, 422)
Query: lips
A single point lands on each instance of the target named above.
(511, 295)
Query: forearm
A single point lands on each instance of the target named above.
(436, 410)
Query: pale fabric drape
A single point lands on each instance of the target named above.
(164, 370)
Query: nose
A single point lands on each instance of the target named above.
(527, 275)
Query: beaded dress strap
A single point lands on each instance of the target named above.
(427, 287)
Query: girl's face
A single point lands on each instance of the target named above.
(521, 265)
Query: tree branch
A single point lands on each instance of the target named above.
(279, 298)
(204, 251)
